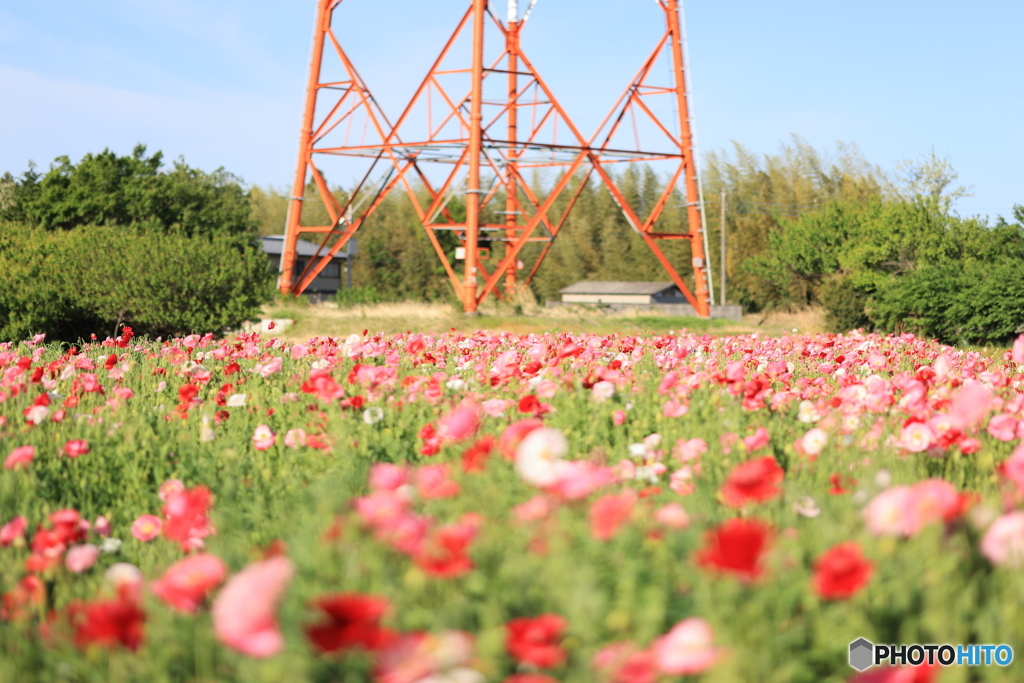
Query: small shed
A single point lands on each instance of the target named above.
(631, 293)
(329, 280)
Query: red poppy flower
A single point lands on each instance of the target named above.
(531, 404)
(838, 489)
(535, 641)
(736, 547)
(108, 623)
(444, 554)
(841, 572)
(187, 392)
(29, 592)
(322, 384)
(351, 619)
(474, 458)
(899, 674)
(186, 514)
(754, 481)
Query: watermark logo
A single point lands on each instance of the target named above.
(861, 654)
(864, 654)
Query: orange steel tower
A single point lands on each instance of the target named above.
(485, 118)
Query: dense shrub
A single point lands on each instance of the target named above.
(979, 302)
(901, 266)
(90, 280)
(844, 304)
(354, 296)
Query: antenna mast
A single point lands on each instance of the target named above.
(483, 143)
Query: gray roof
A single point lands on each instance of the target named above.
(274, 244)
(617, 288)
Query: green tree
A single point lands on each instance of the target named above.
(106, 189)
(764, 191)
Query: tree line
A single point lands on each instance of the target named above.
(879, 250)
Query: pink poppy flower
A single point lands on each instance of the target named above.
(20, 456)
(245, 611)
(76, 447)
(1003, 543)
(916, 437)
(886, 512)
(270, 368)
(459, 424)
(970, 405)
(673, 516)
(496, 407)
(170, 489)
(681, 481)
(432, 482)
(81, 557)
(186, 583)
(537, 508)
(674, 408)
(577, 479)
(147, 527)
(687, 649)
(381, 507)
(608, 513)
(602, 391)
(692, 449)
(36, 414)
(387, 477)
(1003, 427)
(546, 389)
(12, 531)
(514, 434)
(1013, 468)
(619, 417)
(263, 438)
(427, 657)
(295, 438)
(931, 500)
(905, 510)
(1017, 353)
(759, 439)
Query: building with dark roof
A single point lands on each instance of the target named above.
(661, 297)
(329, 281)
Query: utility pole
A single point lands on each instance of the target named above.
(721, 224)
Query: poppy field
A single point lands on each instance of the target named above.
(468, 508)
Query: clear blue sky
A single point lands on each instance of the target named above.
(221, 82)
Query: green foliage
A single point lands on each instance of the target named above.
(900, 265)
(357, 296)
(105, 189)
(91, 279)
(844, 304)
(764, 196)
(971, 303)
(34, 296)
(116, 240)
